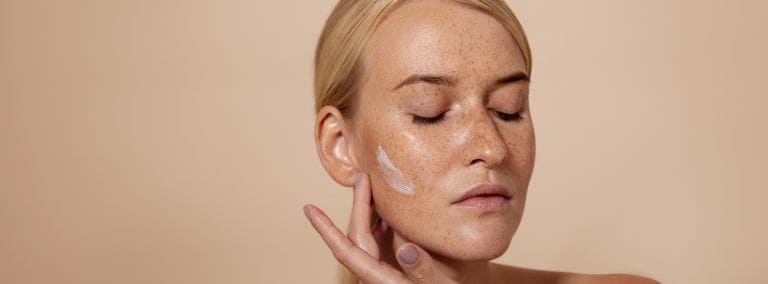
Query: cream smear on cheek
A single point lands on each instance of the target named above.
(392, 175)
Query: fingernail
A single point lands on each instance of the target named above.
(409, 255)
(358, 178)
(306, 211)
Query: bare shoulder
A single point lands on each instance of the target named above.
(527, 275)
(576, 278)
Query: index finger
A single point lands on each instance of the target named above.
(347, 253)
(360, 221)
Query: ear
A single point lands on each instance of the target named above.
(335, 146)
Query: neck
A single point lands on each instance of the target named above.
(463, 271)
(456, 270)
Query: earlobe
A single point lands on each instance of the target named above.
(335, 146)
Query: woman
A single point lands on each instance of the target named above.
(422, 108)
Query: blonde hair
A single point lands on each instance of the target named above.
(341, 44)
(347, 30)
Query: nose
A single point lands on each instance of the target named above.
(483, 143)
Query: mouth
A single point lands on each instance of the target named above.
(487, 197)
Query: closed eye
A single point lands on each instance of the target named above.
(428, 120)
(508, 116)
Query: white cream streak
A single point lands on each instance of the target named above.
(392, 175)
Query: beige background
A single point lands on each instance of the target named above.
(170, 141)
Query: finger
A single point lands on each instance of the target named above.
(360, 221)
(418, 265)
(359, 262)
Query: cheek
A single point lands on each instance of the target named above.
(522, 151)
(410, 164)
(407, 214)
(425, 158)
(402, 187)
(392, 174)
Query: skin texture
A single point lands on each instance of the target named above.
(471, 145)
(485, 136)
(392, 175)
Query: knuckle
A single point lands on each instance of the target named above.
(404, 279)
(343, 256)
(356, 239)
(422, 274)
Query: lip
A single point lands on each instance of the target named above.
(484, 196)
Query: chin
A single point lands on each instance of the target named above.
(476, 251)
(486, 253)
(475, 245)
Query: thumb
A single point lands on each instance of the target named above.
(416, 263)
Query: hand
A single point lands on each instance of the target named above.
(360, 252)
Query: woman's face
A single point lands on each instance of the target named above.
(443, 109)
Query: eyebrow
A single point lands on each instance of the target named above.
(429, 79)
(513, 78)
(441, 80)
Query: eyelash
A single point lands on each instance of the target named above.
(428, 120)
(436, 119)
(509, 116)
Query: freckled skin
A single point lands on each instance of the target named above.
(469, 146)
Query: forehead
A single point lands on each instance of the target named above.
(440, 37)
